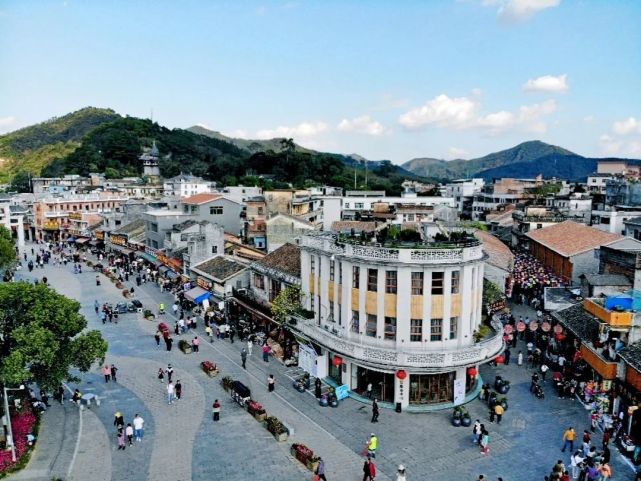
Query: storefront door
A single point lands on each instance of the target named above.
(431, 388)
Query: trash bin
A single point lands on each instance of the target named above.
(398, 407)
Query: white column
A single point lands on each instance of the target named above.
(20, 228)
(427, 305)
(362, 293)
(403, 305)
(308, 300)
(447, 303)
(380, 304)
(467, 323)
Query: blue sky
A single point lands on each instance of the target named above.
(385, 79)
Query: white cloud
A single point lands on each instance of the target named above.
(547, 83)
(465, 113)
(631, 125)
(519, 10)
(304, 129)
(625, 138)
(362, 125)
(588, 119)
(237, 134)
(7, 124)
(457, 153)
(441, 111)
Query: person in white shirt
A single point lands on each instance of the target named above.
(139, 427)
(129, 432)
(170, 393)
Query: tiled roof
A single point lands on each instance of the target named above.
(286, 259)
(220, 268)
(357, 225)
(132, 228)
(632, 355)
(201, 198)
(570, 238)
(608, 280)
(184, 225)
(499, 254)
(581, 323)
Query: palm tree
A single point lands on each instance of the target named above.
(288, 146)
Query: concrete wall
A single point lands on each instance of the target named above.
(230, 218)
(586, 263)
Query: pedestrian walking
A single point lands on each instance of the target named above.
(243, 357)
(369, 390)
(215, 410)
(210, 333)
(544, 370)
(129, 432)
(139, 427)
(250, 345)
(568, 439)
(168, 342)
(506, 356)
(476, 431)
(317, 388)
(271, 383)
(157, 337)
(171, 392)
(266, 350)
(375, 411)
(372, 446)
(106, 371)
(499, 411)
(369, 470)
(114, 371)
(485, 442)
(170, 372)
(179, 389)
(161, 374)
(121, 439)
(400, 474)
(519, 359)
(320, 470)
(119, 420)
(195, 343)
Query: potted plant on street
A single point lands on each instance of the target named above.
(332, 398)
(209, 368)
(324, 400)
(302, 383)
(503, 402)
(305, 455)
(256, 409)
(277, 428)
(466, 420)
(457, 415)
(126, 293)
(504, 388)
(184, 346)
(150, 316)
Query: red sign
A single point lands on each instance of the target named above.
(508, 329)
(520, 326)
(545, 327)
(534, 326)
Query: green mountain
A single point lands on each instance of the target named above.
(32, 148)
(100, 140)
(252, 146)
(525, 160)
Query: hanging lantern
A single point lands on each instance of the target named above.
(337, 361)
(472, 371)
(401, 374)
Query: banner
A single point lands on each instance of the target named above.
(459, 391)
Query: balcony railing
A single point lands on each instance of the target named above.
(427, 253)
(606, 368)
(613, 318)
(369, 351)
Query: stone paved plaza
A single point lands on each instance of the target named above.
(182, 443)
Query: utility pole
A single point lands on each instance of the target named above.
(365, 173)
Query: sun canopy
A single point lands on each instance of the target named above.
(197, 295)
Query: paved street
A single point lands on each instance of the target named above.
(181, 442)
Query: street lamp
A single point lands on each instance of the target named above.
(8, 416)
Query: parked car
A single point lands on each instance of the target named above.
(135, 306)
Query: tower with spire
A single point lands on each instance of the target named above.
(150, 167)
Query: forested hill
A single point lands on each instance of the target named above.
(100, 140)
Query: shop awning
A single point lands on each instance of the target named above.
(170, 274)
(197, 295)
(82, 240)
(122, 249)
(150, 258)
(163, 269)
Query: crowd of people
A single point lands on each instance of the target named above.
(529, 278)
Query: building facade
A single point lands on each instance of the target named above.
(401, 319)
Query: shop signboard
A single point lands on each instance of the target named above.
(342, 391)
(307, 358)
(459, 391)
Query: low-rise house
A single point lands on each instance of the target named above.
(283, 228)
(274, 273)
(220, 275)
(500, 260)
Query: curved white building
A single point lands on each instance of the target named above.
(402, 319)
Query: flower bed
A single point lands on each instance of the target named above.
(22, 424)
(184, 346)
(277, 428)
(256, 410)
(226, 382)
(209, 368)
(305, 455)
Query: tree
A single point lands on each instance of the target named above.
(286, 303)
(7, 249)
(21, 182)
(42, 336)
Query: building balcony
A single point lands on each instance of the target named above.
(414, 253)
(612, 317)
(605, 367)
(373, 353)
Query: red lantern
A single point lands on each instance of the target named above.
(472, 371)
(401, 374)
(337, 361)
